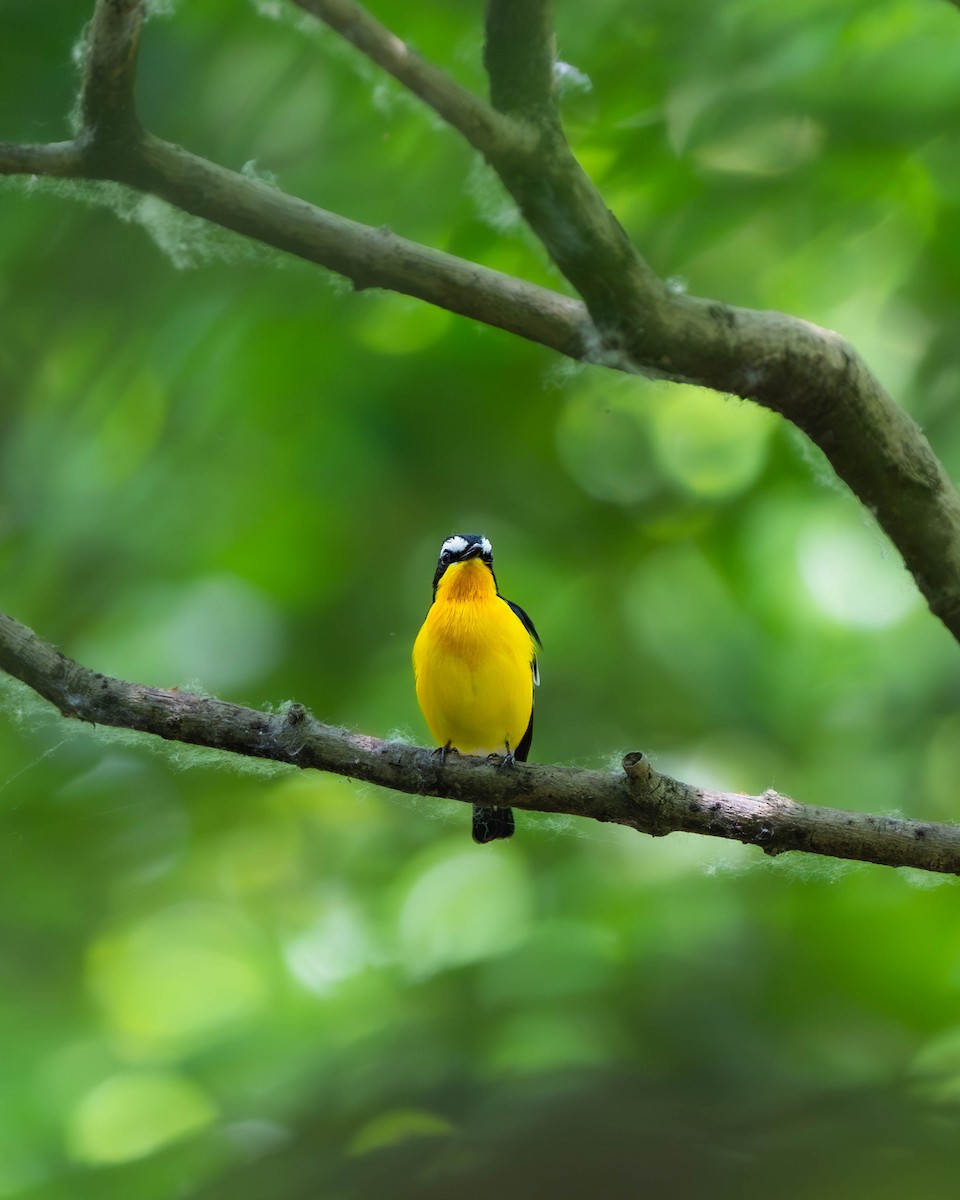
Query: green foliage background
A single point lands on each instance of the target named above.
(223, 470)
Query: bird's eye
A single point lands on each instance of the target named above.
(445, 556)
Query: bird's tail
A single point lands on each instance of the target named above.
(491, 823)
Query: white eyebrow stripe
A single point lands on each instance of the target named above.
(485, 545)
(455, 544)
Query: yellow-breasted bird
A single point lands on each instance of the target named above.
(475, 662)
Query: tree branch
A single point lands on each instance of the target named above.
(807, 374)
(638, 796)
(484, 128)
(368, 257)
(58, 160)
(519, 57)
(555, 195)
(107, 103)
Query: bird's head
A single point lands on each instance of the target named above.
(464, 553)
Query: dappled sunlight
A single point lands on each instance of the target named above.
(603, 442)
(765, 147)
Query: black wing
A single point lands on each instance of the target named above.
(532, 630)
(527, 623)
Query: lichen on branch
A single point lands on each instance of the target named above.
(637, 796)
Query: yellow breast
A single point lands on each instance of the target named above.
(472, 660)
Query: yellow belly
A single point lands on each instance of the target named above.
(472, 663)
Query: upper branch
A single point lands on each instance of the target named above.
(808, 375)
(632, 322)
(484, 128)
(368, 257)
(638, 796)
(107, 101)
(557, 199)
(519, 58)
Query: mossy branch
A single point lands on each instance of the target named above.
(636, 796)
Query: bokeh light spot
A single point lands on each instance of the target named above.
(183, 978)
(603, 442)
(400, 1125)
(132, 1114)
(711, 447)
(466, 907)
(851, 577)
(219, 631)
(392, 325)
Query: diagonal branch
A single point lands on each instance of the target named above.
(808, 375)
(638, 796)
(369, 257)
(626, 299)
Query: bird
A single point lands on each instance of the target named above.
(475, 666)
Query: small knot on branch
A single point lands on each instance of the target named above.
(650, 796)
(637, 767)
(291, 731)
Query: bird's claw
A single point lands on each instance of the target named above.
(441, 752)
(504, 762)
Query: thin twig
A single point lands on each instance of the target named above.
(484, 128)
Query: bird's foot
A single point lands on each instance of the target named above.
(441, 752)
(503, 762)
